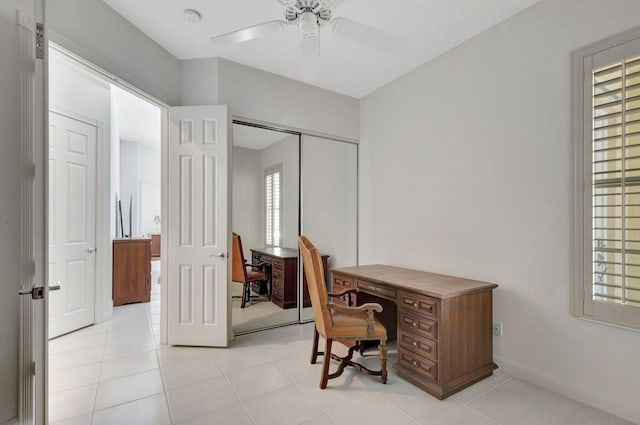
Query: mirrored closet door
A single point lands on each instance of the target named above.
(329, 206)
(265, 222)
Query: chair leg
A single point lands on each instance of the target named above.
(325, 365)
(245, 288)
(314, 352)
(383, 360)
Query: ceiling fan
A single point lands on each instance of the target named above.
(310, 16)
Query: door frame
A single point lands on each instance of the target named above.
(103, 234)
(33, 354)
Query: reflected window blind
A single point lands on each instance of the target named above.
(272, 197)
(616, 182)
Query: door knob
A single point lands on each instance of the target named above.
(92, 250)
(37, 292)
(219, 255)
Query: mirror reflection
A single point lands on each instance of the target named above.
(265, 224)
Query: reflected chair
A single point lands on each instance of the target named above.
(248, 274)
(349, 325)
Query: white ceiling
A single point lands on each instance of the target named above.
(254, 138)
(138, 120)
(430, 26)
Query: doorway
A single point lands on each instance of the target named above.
(104, 187)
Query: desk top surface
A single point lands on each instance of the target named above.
(431, 284)
(278, 252)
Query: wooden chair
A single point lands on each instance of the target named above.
(248, 273)
(349, 325)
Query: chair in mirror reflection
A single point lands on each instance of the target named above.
(335, 322)
(253, 277)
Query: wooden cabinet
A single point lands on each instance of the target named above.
(284, 275)
(155, 245)
(131, 271)
(442, 323)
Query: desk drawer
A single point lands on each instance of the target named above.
(378, 290)
(277, 264)
(422, 346)
(341, 284)
(418, 364)
(419, 304)
(276, 283)
(418, 325)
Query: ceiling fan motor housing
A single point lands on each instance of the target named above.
(309, 14)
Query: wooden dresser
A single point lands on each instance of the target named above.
(442, 323)
(131, 271)
(284, 275)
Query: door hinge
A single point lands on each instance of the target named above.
(39, 40)
(33, 368)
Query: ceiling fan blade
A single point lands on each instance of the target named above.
(369, 36)
(310, 57)
(247, 34)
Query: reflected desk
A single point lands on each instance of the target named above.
(284, 274)
(443, 324)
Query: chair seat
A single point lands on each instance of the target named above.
(253, 276)
(354, 325)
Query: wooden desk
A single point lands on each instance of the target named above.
(443, 323)
(284, 275)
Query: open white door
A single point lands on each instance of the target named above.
(72, 223)
(197, 226)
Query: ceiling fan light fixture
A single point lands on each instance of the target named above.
(308, 22)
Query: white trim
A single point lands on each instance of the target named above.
(589, 397)
(106, 75)
(76, 116)
(26, 382)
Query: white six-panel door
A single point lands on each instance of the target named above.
(72, 223)
(197, 234)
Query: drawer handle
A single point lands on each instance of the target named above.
(415, 305)
(415, 363)
(415, 344)
(415, 324)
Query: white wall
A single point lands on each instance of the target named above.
(285, 152)
(9, 207)
(259, 95)
(96, 32)
(466, 171)
(248, 208)
(140, 170)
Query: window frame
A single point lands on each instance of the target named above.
(277, 168)
(582, 64)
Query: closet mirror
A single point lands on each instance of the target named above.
(329, 207)
(265, 220)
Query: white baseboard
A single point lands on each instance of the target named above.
(589, 397)
(12, 422)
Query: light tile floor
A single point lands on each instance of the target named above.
(258, 314)
(118, 373)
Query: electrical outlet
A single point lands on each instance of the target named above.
(497, 328)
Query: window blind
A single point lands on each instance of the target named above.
(616, 182)
(272, 196)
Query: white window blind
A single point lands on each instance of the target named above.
(616, 182)
(606, 152)
(272, 205)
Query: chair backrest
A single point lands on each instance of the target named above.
(314, 271)
(238, 268)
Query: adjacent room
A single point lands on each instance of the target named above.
(321, 212)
